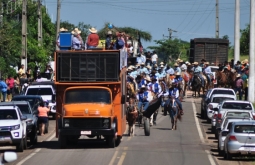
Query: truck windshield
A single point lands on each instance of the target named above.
(39, 91)
(87, 96)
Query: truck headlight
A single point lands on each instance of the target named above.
(66, 123)
(15, 127)
(106, 123)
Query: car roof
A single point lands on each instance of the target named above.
(28, 96)
(222, 89)
(216, 67)
(252, 122)
(40, 86)
(11, 107)
(14, 103)
(44, 83)
(235, 117)
(223, 95)
(236, 101)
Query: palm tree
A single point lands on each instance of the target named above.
(132, 32)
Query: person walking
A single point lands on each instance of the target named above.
(239, 86)
(42, 117)
(3, 87)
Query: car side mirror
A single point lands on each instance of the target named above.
(23, 118)
(123, 99)
(9, 157)
(224, 133)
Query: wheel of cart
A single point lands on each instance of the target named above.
(145, 121)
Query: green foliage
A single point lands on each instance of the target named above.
(245, 40)
(171, 49)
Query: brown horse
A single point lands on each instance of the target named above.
(225, 79)
(175, 113)
(186, 78)
(131, 117)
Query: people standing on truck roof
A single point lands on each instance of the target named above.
(154, 58)
(10, 83)
(120, 41)
(93, 39)
(42, 117)
(61, 30)
(140, 59)
(76, 41)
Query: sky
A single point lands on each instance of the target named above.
(189, 18)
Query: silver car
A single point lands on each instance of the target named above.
(240, 140)
(234, 105)
(225, 128)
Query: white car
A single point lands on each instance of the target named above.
(215, 100)
(13, 127)
(47, 92)
(225, 128)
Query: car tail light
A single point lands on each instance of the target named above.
(232, 138)
(215, 116)
(219, 116)
(210, 106)
(253, 117)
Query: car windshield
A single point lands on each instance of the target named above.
(8, 114)
(229, 92)
(244, 129)
(87, 96)
(33, 101)
(24, 109)
(39, 91)
(221, 99)
(233, 105)
(238, 114)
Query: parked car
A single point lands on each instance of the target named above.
(240, 140)
(32, 118)
(47, 92)
(214, 102)
(207, 98)
(34, 101)
(13, 127)
(234, 105)
(225, 127)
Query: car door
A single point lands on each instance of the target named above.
(205, 98)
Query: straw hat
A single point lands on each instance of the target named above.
(195, 63)
(93, 30)
(109, 32)
(176, 64)
(162, 66)
(148, 78)
(142, 63)
(242, 62)
(162, 63)
(62, 29)
(189, 63)
(148, 66)
(76, 30)
(206, 63)
(137, 64)
(143, 86)
(245, 61)
(186, 62)
(181, 61)
(238, 76)
(177, 73)
(178, 60)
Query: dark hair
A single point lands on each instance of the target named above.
(9, 76)
(41, 104)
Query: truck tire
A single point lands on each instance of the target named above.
(146, 126)
(20, 146)
(111, 141)
(118, 140)
(62, 141)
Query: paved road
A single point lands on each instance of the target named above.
(187, 145)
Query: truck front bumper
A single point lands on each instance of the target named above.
(86, 132)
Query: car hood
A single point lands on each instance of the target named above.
(215, 105)
(4, 123)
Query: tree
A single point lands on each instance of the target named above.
(245, 40)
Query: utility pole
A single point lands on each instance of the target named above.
(251, 82)
(58, 21)
(39, 13)
(24, 34)
(171, 32)
(217, 29)
(237, 31)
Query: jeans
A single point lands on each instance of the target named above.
(208, 78)
(91, 47)
(144, 104)
(240, 92)
(4, 95)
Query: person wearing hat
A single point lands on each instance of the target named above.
(76, 40)
(237, 67)
(93, 39)
(160, 73)
(198, 70)
(61, 30)
(245, 65)
(3, 88)
(183, 66)
(174, 91)
(108, 41)
(148, 68)
(177, 69)
(22, 71)
(154, 58)
(142, 81)
(143, 98)
(208, 72)
(143, 69)
(170, 71)
(148, 58)
(239, 86)
(202, 63)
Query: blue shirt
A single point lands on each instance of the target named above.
(76, 43)
(177, 69)
(3, 86)
(208, 70)
(142, 96)
(197, 69)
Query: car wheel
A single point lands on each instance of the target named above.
(25, 142)
(227, 156)
(62, 141)
(111, 141)
(216, 134)
(212, 129)
(20, 146)
(208, 120)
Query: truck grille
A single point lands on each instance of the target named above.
(5, 134)
(86, 123)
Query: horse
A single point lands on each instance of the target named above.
(196, 84)
(186, 78)
(131, 117)
(174, 111)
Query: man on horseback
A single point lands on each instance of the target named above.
(143, 98)
(177, 69)
(207, 72)
(197, 71)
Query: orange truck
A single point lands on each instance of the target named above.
(90, 96)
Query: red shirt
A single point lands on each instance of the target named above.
(93, 39)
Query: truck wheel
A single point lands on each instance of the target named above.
(62, 141)
(118, 140)
(146, 127)
(111, 141)
(20, 146)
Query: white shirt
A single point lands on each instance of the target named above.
(144, 58)
(154, 57)
(139, 60)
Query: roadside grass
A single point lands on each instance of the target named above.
(242, 57)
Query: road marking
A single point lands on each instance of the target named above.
(114, 157)
(210, 157)
(33, 153)
(123, 155)
(197, 123)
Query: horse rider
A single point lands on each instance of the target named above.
(202, 63)
(177, 68)
(184, 66)
(143, 98)
(197, 71)
(143, 69)
(172, 105)
(207, 72)
(175, 91)
(163, 66)
(148, 68)
(237, 67)
(170, 71)
(133, 72)
(156, 89)
(143, 81)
